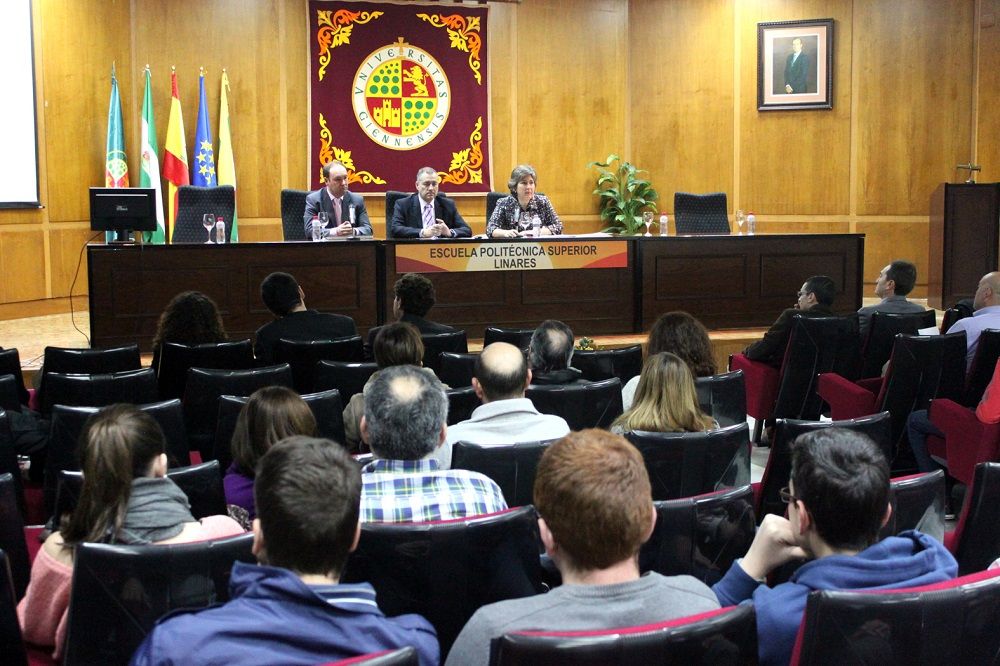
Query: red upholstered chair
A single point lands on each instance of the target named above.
(967, 440)
(726, 635)
(975, 541)
(815, 345)
(953, 622)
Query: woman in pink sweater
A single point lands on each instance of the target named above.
(127, 499)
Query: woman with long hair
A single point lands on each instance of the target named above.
(666, 399)
(125, 499)
(190, 318)
(681, 334)
(271, 414)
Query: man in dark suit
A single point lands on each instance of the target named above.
(414, 297)
(796, 69)
(428, 214)
(815, 299)
(284, 297)
(346, 210)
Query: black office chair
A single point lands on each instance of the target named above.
(293, 208)
(304, 356)
(436, 343)
(983, 365)
(976, 539)
(99, 390)
(624, 363)
(461, 403)
(882, 331)
(491, 202)
(723, 397)
(9, 397)
(8, 461)
(391, 197)
(10, 364)
(70, 361)
(511, 466)
(701, 213)
(176, 359)
(457, 368)
(192, 204)
(12, 539)
(917, 502)
(519, 337)
(594, 405)
(11, 642)
(347, 378)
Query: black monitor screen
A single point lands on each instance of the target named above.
(120, 208)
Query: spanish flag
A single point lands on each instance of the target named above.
(175, 164)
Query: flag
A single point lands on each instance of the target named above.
(149, 173)
(203, 169)
(175, 157)
(115, 166)
(227, 165)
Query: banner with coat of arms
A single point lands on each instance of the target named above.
(396, 87)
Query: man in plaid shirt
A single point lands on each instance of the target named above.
(406, 411)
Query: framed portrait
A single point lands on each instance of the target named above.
(795, 65)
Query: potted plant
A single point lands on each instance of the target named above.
(624, 196)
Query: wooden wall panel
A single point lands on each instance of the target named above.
(989, 89)
(65, 245)
(22, 255)
(914, 100)
(681, 95)
(886, 240)
(795, 162)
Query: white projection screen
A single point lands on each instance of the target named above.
(18, 132)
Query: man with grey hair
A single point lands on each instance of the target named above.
(428, 213)
(550, 353)
(406, 412)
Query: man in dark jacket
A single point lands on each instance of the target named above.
(427, 214)
(413, 298)
(550, 354)
(815, 299)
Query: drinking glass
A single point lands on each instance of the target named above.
(647, 219)
(740, 219)
(208, 221)
(324, 220)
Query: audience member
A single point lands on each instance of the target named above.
(894, 282)
(666, 400)
(550, 354)
(406, 411)
(292, 608)
(190, 318)
(500, 376)
(838, 500)
(346, 212)
(414, 297)
(681, 334)
(285, 299)
(986, 304)
(595, 510)
(271, 414)
(513, 214)
(125, 499)
(814, 300)
(427, 213)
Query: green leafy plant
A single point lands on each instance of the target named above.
(624, 195)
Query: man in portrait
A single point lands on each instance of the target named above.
(796, 69)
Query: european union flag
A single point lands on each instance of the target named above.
(203, 168)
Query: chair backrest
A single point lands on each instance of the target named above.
(193, 202)
(685, 464)
(402, 657)
(293, 207)
(491, 202)
(977, 537)
(176, 359)
(99, 390)
(391, 197)
(922, 367)
(700, 536)
(436, 343)
(816, 345)
(119, 592)
(983, 365)
(10, 364)
(347, 378)
(303, 355)
(882, 331)
(511, 466)
(12, 539)
(624, 363)
(11, 641)
(461, 403)
(446, 570)
(203, 389)
(723, 397)
(70, 361)
(917, 504)
(723, 636)
(8, 461)
(594, 405)
(325, 406)
(170, 415)
(779, 461)
(519, 337)
(953, 622)
(951, 315)
(457, 368)
(701, 213)
(9, 397)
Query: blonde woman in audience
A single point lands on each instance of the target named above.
(270, 414)
(666, 400)
(683, 335)
(126, 499)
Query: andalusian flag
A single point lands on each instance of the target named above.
(203, 169)
(227, 165)
(175, 157)
(115, 167)
(149, 173)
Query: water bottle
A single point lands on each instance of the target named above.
(220, 231)
(751, 223)
(536, 226)
(350, 214)
(316, 228)
(663, 224)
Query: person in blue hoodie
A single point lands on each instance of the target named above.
(291, 608)
(838, 500)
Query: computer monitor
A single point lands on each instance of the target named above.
(122, 210)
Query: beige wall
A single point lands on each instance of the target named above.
(670, 84)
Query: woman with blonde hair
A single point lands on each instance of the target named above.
(665, 400)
